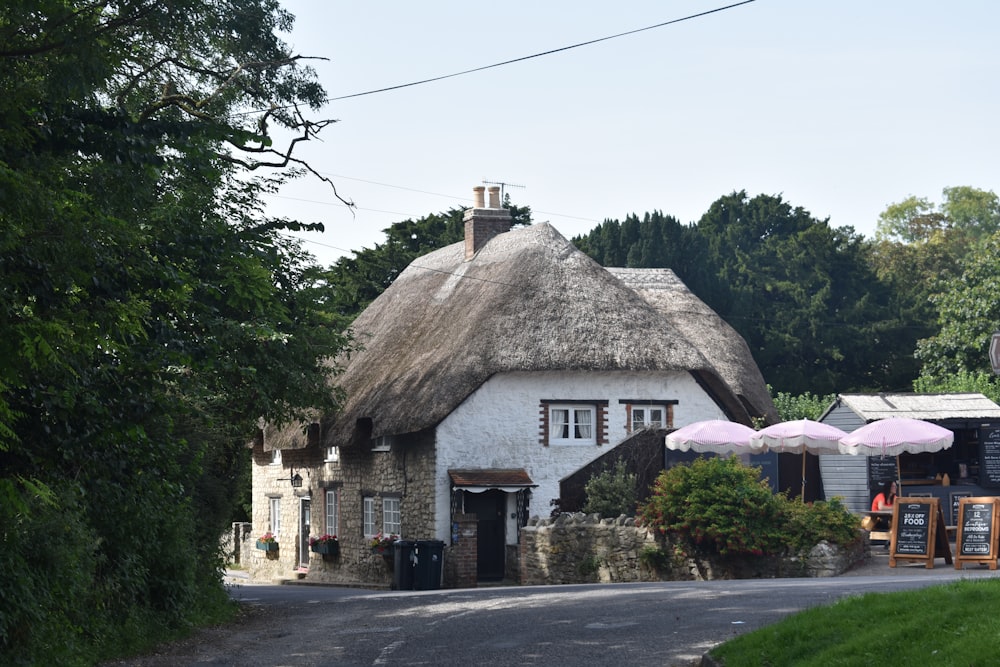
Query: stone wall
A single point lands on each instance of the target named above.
(581, 548)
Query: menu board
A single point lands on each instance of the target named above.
(956, 497)
(881, 469)
(976, 536)
(918, 531)
(977, 531)
(989, 456)
(912, 525)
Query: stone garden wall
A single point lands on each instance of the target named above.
(581, 548)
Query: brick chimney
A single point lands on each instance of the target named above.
(482, 223)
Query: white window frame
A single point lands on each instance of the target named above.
(332, 454)
(645, 410)
(572, 426)
(331, 512)
(274, 515)
(368, 516)
(276, 457)
(382, 443)
(391, 519)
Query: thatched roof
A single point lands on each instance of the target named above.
(929, 407)
(527, 301)
(724, 348)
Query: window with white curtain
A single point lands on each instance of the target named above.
(275, 516)
(571, 425)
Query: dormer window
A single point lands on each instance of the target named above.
(332, 454)
(276, 457)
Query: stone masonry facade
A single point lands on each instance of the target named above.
(405, 472)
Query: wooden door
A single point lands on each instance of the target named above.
(490, 508)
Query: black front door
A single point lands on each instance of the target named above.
(490, 507)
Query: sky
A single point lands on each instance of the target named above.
(840, 107)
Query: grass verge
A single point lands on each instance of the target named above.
(951, 624)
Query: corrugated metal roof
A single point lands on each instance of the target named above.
(929, 407)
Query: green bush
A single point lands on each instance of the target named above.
(611, 493)
(807, 524)
(718, 505)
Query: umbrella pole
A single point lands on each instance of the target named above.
(803, 475)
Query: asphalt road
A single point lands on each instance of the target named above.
(668, 623)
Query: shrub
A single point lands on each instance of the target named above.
(611, 493)
(722, 506)
(807, 524)
(717, 504)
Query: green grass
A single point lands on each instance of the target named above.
(952, 624)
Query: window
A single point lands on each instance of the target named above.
(390, 516)
(643, 413)
(275, 515)
(648, 416)
(571, 425)
(382, 443)
(368, 514)
(332, 454)
(276, 457)
(332, 512)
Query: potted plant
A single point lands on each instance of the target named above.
(267, 542)
(381, 544)
(325, 544)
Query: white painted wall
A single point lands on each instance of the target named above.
(498, 426)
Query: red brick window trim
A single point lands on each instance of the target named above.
(572, 431)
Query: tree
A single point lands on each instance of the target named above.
(966, 213)
(968, 314)
(150, 314)
(803, 296)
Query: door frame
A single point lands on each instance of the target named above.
(305, 521)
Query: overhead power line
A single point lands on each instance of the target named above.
(539, 55)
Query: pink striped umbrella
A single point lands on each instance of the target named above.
(800, 436)
(896, 435)
(713, 436)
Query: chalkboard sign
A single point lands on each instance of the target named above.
(918, 531)
(881, 469)
(977, 532)
(957, 496)
(989, 456)
(912, 528)
(768, 464)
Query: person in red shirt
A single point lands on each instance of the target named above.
(885, 498)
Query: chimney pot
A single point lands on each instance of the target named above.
(481, 223)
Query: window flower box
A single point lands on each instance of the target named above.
(326, 545)
(267, 542)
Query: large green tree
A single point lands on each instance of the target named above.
(150, 313)
(968, 314)
(801, 293)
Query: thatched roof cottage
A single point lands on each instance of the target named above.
(490, 370)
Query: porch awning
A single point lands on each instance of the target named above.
(484, 479)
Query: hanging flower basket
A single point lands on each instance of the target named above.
(267, 542)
